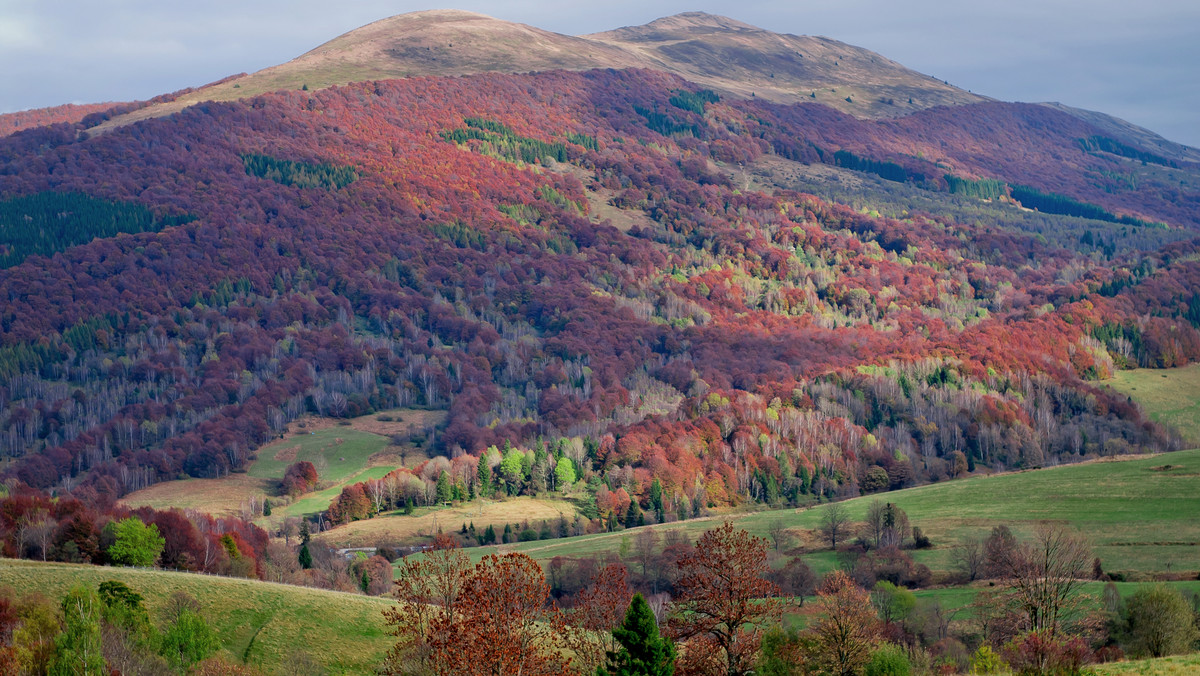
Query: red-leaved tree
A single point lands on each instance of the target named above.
(724, 601)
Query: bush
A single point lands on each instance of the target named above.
(1039, 653)
(1160, 622)
(986, 661)
(889, 660)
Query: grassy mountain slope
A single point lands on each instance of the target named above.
(1169, 396)
(735, 57)
(261, 623)
(726, 55)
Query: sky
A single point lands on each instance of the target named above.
(1138, 61)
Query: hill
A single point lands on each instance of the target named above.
(720, 53)
(271, 626)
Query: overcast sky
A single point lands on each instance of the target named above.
(1137, 60)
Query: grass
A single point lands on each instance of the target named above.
(265, 623)
(342, 453)
(1169, 396)
(1179, 665)
(426, 521)
(337, 452)
(1138, 514)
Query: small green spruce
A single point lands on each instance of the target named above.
(643, 651)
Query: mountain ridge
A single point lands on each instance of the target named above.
(723, 54)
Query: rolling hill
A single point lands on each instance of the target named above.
(272, 627)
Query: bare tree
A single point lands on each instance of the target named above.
(835, 523)
(36, 529)
(780, 537)
(644, 545)
(377, 491)
(1045, 576)
(967, 557)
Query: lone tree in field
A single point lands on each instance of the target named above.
(835, 523)
(642, 651)
(1044, 576)
(724, 601)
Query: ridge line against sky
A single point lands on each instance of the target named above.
(1137, 62)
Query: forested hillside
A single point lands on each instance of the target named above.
(436, 242)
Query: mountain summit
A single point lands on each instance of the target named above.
(726, 55)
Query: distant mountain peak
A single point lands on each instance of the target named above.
(717, 52)
(694, 23)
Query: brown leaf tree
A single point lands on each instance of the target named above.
(601, 608)
(724, 600)
(848, 627)
(426, 590)
(500, 623)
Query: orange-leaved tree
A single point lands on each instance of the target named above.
(500, 623)
(600, 609)
(724, 601)
(426, 590)
(848, 627)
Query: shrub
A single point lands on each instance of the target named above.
(1040, 653)
(986, 661)
(889, 660)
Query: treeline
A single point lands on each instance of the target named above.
(987, 188)
(888, 170)
(299, 174)
(502, 141)
(47, 222)
(1097, 143)
(90, 530)
(1054, 203)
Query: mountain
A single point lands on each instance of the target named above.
(743, 299)
(1118, 128)
(725, 55)
(733, 57)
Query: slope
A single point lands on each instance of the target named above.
(1137, 513)
(430, 242)
(735, 57)
(261, 623)
(717, 52)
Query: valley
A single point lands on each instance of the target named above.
(510, 324)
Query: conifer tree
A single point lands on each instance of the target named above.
(643, 651)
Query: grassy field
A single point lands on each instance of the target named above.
(342, 453)
(425, 521)
(1139, 514)
(263, 623)
(956, 601)
(1169, 396)
(1182, 665)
